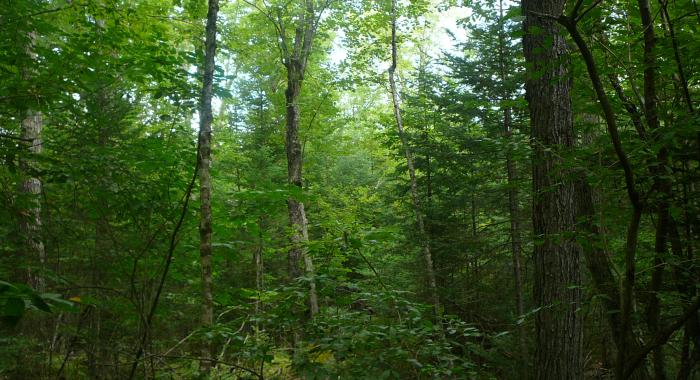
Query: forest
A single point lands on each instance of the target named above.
(349, 189)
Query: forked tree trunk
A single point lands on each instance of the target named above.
(205, 189)
(295, 207)
(557, 265)
(295, 61)
(423, 236)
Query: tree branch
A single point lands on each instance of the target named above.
(661, 338)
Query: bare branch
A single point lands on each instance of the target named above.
(590, 8)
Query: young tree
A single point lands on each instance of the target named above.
(295, 47)
(204, 165)
(423, 236)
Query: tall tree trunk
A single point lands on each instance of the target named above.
(205, 189)
(661, 182)
(30, 191)
(297, 214)
(258, 261)
(295, 61)
(515, 243)
(30, 188)
(425, 243)
(513, 208)
(557, 267)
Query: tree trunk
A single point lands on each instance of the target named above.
(513, 208)
(30, 191)
(297, 214)
(425, 243)
(557, 268)
(516, 245)
(205, 189)
(258, 261)
(30, 188)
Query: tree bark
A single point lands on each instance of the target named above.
(30, 188)
(425, 243)
(295, 61)
(205, 186)
(30, 191)
(557, 264)
(295, 207)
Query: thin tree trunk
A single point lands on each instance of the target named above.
(513, 208)
(258, 261)
(557, 265)
(664, 185)
(425, 244)
(516, 246)
(205, 188)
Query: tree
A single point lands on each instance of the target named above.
(557, 274)
(205, 185)
(423, 236)
(304, 17)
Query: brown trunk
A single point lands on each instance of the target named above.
(600, 268)
(685, 284)
(627, 340)
(516, 246)
(425, 244)
(513, 208)
(663, 185)
(557, 268)
(205, 189)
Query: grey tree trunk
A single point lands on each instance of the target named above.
(295, 207)
(295, 61)
(423, 236)
(205, 189)
(557, 263)
(30, 188)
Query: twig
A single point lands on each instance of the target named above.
(215, 361)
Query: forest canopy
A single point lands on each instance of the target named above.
(349, 189)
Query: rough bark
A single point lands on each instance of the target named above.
(423, 236)
(205, 189)
(626, 341)
(557, 263)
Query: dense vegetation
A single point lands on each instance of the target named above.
(324, 189)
